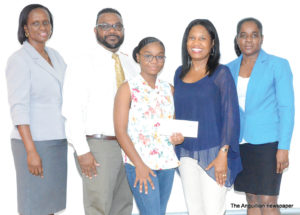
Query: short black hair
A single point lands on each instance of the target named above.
(238, 30)
(24, 18)
(107, 10)
(213, 60)
(143, 43)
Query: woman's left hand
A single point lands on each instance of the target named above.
(176, 138)
(282, 158)
(220, 165)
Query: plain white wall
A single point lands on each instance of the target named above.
(167, 20)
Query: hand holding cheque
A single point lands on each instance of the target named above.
(177, 129)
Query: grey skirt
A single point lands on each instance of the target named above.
(37, 196)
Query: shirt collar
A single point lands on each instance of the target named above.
(104, 52)
(145, 83)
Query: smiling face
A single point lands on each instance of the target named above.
(38, 27)
(199, 43)
(249, 39)
(151, 58)
(111, 39)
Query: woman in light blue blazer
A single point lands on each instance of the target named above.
(266, 98)
(35, 75)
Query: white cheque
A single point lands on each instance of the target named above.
(185, 127)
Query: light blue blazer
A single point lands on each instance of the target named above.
(35, 92)
(269, 109)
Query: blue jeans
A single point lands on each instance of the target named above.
(155, 202)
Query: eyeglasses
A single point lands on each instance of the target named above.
(149, 58)
(107, 27)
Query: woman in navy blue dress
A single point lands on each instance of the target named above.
(205, 92)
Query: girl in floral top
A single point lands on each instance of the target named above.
(140, 103)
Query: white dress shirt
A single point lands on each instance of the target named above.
(89, 92)
(242, 85)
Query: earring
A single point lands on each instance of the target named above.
(26, 34)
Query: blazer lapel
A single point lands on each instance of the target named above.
(57, 69)
(237, 69)
(54, 71)
(255, 79)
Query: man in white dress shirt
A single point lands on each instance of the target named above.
(89, 92)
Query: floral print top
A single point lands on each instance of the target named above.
(148, 105)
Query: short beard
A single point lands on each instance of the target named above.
(110, 46)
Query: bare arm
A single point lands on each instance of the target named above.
(121, 113)
(34, 161)
(172, 89)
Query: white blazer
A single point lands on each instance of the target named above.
(35, 92)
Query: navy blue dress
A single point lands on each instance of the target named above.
(213, 102)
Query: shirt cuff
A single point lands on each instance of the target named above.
(21, 118)
(82, 148)
(284, 146)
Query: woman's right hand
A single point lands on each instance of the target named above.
(143, 177)
(34, 163)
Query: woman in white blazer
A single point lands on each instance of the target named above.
(35, 75)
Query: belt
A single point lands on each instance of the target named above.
(102, 137)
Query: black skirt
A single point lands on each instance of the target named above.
(259, 175)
